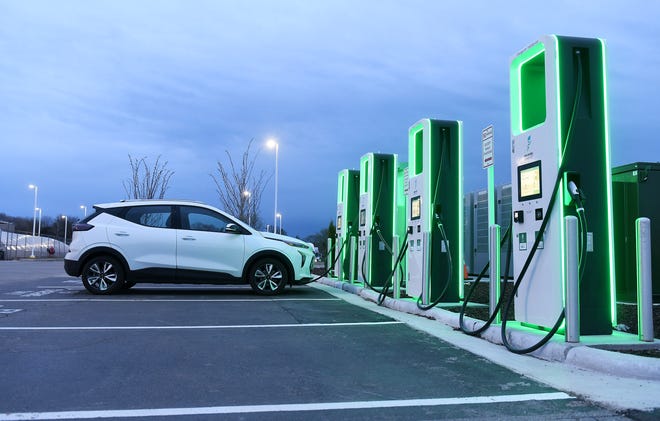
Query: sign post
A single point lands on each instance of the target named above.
(488, 163)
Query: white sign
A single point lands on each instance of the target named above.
(487, 146)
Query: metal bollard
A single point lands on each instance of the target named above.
(395, 274)
(644, 280)
(571, 262)
(352, 243)
(329, 257)
(494, 251)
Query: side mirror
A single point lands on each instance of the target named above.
(233, 229)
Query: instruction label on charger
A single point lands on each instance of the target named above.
(522, 241)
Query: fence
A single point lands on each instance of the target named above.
(15, 245)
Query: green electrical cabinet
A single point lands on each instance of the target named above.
(636, 194)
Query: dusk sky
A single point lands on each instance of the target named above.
(85, 83)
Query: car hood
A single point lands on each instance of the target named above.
(287, 239)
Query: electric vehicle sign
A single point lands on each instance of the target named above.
(487, 146)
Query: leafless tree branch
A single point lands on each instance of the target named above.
(147, 182)
(233, 181)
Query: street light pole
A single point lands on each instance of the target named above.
(84, 208)
(279, 215)
(274, 144)
(247, 194)
(65, 223)
(34, 216)
(39, 209)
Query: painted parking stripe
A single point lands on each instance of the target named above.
(252, 409)
(218, 327)
(166, 300)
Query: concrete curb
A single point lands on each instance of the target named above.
(577, 355)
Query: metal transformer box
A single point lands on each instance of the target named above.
(635, 190)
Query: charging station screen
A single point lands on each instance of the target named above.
(339, 222)
(363, 217)
(415, 208)
(529, 181)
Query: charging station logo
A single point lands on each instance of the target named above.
(529, 142)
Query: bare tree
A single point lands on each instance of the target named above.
(146, 182)
(239, 188)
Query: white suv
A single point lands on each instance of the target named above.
(164, 241)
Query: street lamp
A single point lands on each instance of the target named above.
(273, 144)
(65, 221)
(34, 217)
(84, 208)
(247, 194)
(279, 215)
(39, 233)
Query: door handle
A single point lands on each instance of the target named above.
(122, 234)
(188, 238)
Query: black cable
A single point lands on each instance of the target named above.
(491, 318)
(450, 274)
(333, 263)
(383, 293)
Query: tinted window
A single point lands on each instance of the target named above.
(150, 216)
(201, 219)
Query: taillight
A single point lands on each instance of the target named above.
(82, 227)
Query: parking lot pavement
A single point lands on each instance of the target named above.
(201, 352)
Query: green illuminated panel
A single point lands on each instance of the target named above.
(608, 177)
(532, 91)
(419, 152)
(527, 79)
(340, 189)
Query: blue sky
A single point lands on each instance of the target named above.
(85, 83)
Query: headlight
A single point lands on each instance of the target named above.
(296, 244)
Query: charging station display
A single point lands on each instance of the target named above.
(559, 137)
(529, 181)
(435, 211)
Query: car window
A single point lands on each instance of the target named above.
(150, 216)
(201, 219)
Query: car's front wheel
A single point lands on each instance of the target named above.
(103, 275)
(268, 276)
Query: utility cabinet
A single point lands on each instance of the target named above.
(636, 194)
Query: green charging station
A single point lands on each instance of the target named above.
(376, 218)
(435, 211)
(560, 152)
(348, 199)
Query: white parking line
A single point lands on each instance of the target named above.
(166, 300)
(252, 409)
(218, 327)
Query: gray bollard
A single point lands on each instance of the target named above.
(352, 242)
(644, 280)
(571, 261)
(330, 257)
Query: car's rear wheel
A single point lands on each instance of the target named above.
(268, 276)
(103, 275)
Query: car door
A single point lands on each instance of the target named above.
(204, 245)
(144, 236)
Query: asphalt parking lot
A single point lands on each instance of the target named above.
(204, 352)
